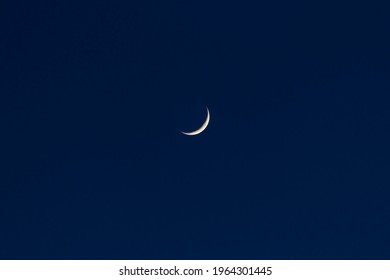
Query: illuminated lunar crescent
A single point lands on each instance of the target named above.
(202, 128)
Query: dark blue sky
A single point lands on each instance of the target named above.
(294, 164)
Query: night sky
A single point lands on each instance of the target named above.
(295, 163)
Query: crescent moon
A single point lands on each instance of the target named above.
(202, 128)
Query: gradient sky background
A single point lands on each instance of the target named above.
(294, 165)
